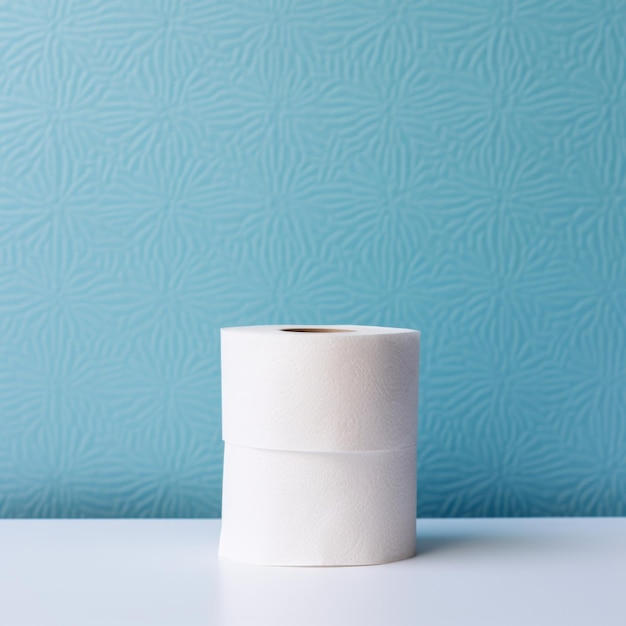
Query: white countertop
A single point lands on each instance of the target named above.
(468, 571)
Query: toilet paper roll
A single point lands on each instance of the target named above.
(320, 388)
(316, 508)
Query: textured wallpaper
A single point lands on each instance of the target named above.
(170, 167)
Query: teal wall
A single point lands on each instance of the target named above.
(167, 168)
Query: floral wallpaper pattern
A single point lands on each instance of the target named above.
(170, 167)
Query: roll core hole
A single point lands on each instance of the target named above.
(316, 330)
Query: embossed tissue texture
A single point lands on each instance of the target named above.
(167, 168)
(317, 508)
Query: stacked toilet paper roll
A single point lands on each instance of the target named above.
(320, 432)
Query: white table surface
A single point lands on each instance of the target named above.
(122, 572)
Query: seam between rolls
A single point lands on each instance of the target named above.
(237, 445)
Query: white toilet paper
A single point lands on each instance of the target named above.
(320, 426)
(316, 508)
(320, 388)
